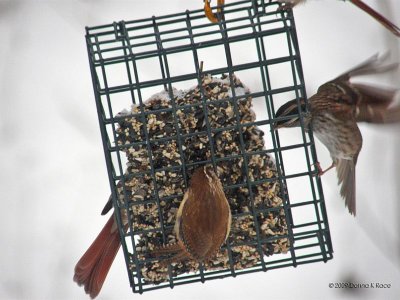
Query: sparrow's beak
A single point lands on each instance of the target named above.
(290, 114)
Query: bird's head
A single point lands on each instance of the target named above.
(289, 114)
(204, 176)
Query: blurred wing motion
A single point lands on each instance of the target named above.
(360, 4)
(334, 112)
(367, 103)
(375, 106)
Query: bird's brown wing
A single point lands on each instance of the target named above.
(195, 238)
(203, 228)
(373, 105)
(368, 103)
(373, 65)
(221, 236)
(346, 173)
(336, 97)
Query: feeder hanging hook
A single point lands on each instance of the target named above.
(208, 12)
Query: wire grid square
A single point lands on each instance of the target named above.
(133, 60)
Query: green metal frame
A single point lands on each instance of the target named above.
(126, 44)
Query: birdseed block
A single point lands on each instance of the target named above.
(171, 186)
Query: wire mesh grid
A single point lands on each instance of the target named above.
(131, 61)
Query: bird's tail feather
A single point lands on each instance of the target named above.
(347, 180)
(377, 16)
(92, 269)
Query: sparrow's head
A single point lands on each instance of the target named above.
(291, 113)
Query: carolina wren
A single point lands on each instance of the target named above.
(333, 113)
(203, 220)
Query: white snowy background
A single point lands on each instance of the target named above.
(53, 174)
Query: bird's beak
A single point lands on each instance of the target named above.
(294, 121)
(288, 115)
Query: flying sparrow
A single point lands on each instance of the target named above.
(202, 226)
(203, 220)
(333, 113)
(360, 4)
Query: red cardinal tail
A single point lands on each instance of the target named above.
(377, 16)
(91, 270)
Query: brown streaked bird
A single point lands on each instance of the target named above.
(202, 226)
(203, 220)
(360, 4)
(333, 113)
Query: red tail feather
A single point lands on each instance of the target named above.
(377, 16)
(91, 270)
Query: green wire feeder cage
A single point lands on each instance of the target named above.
(205, 93)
